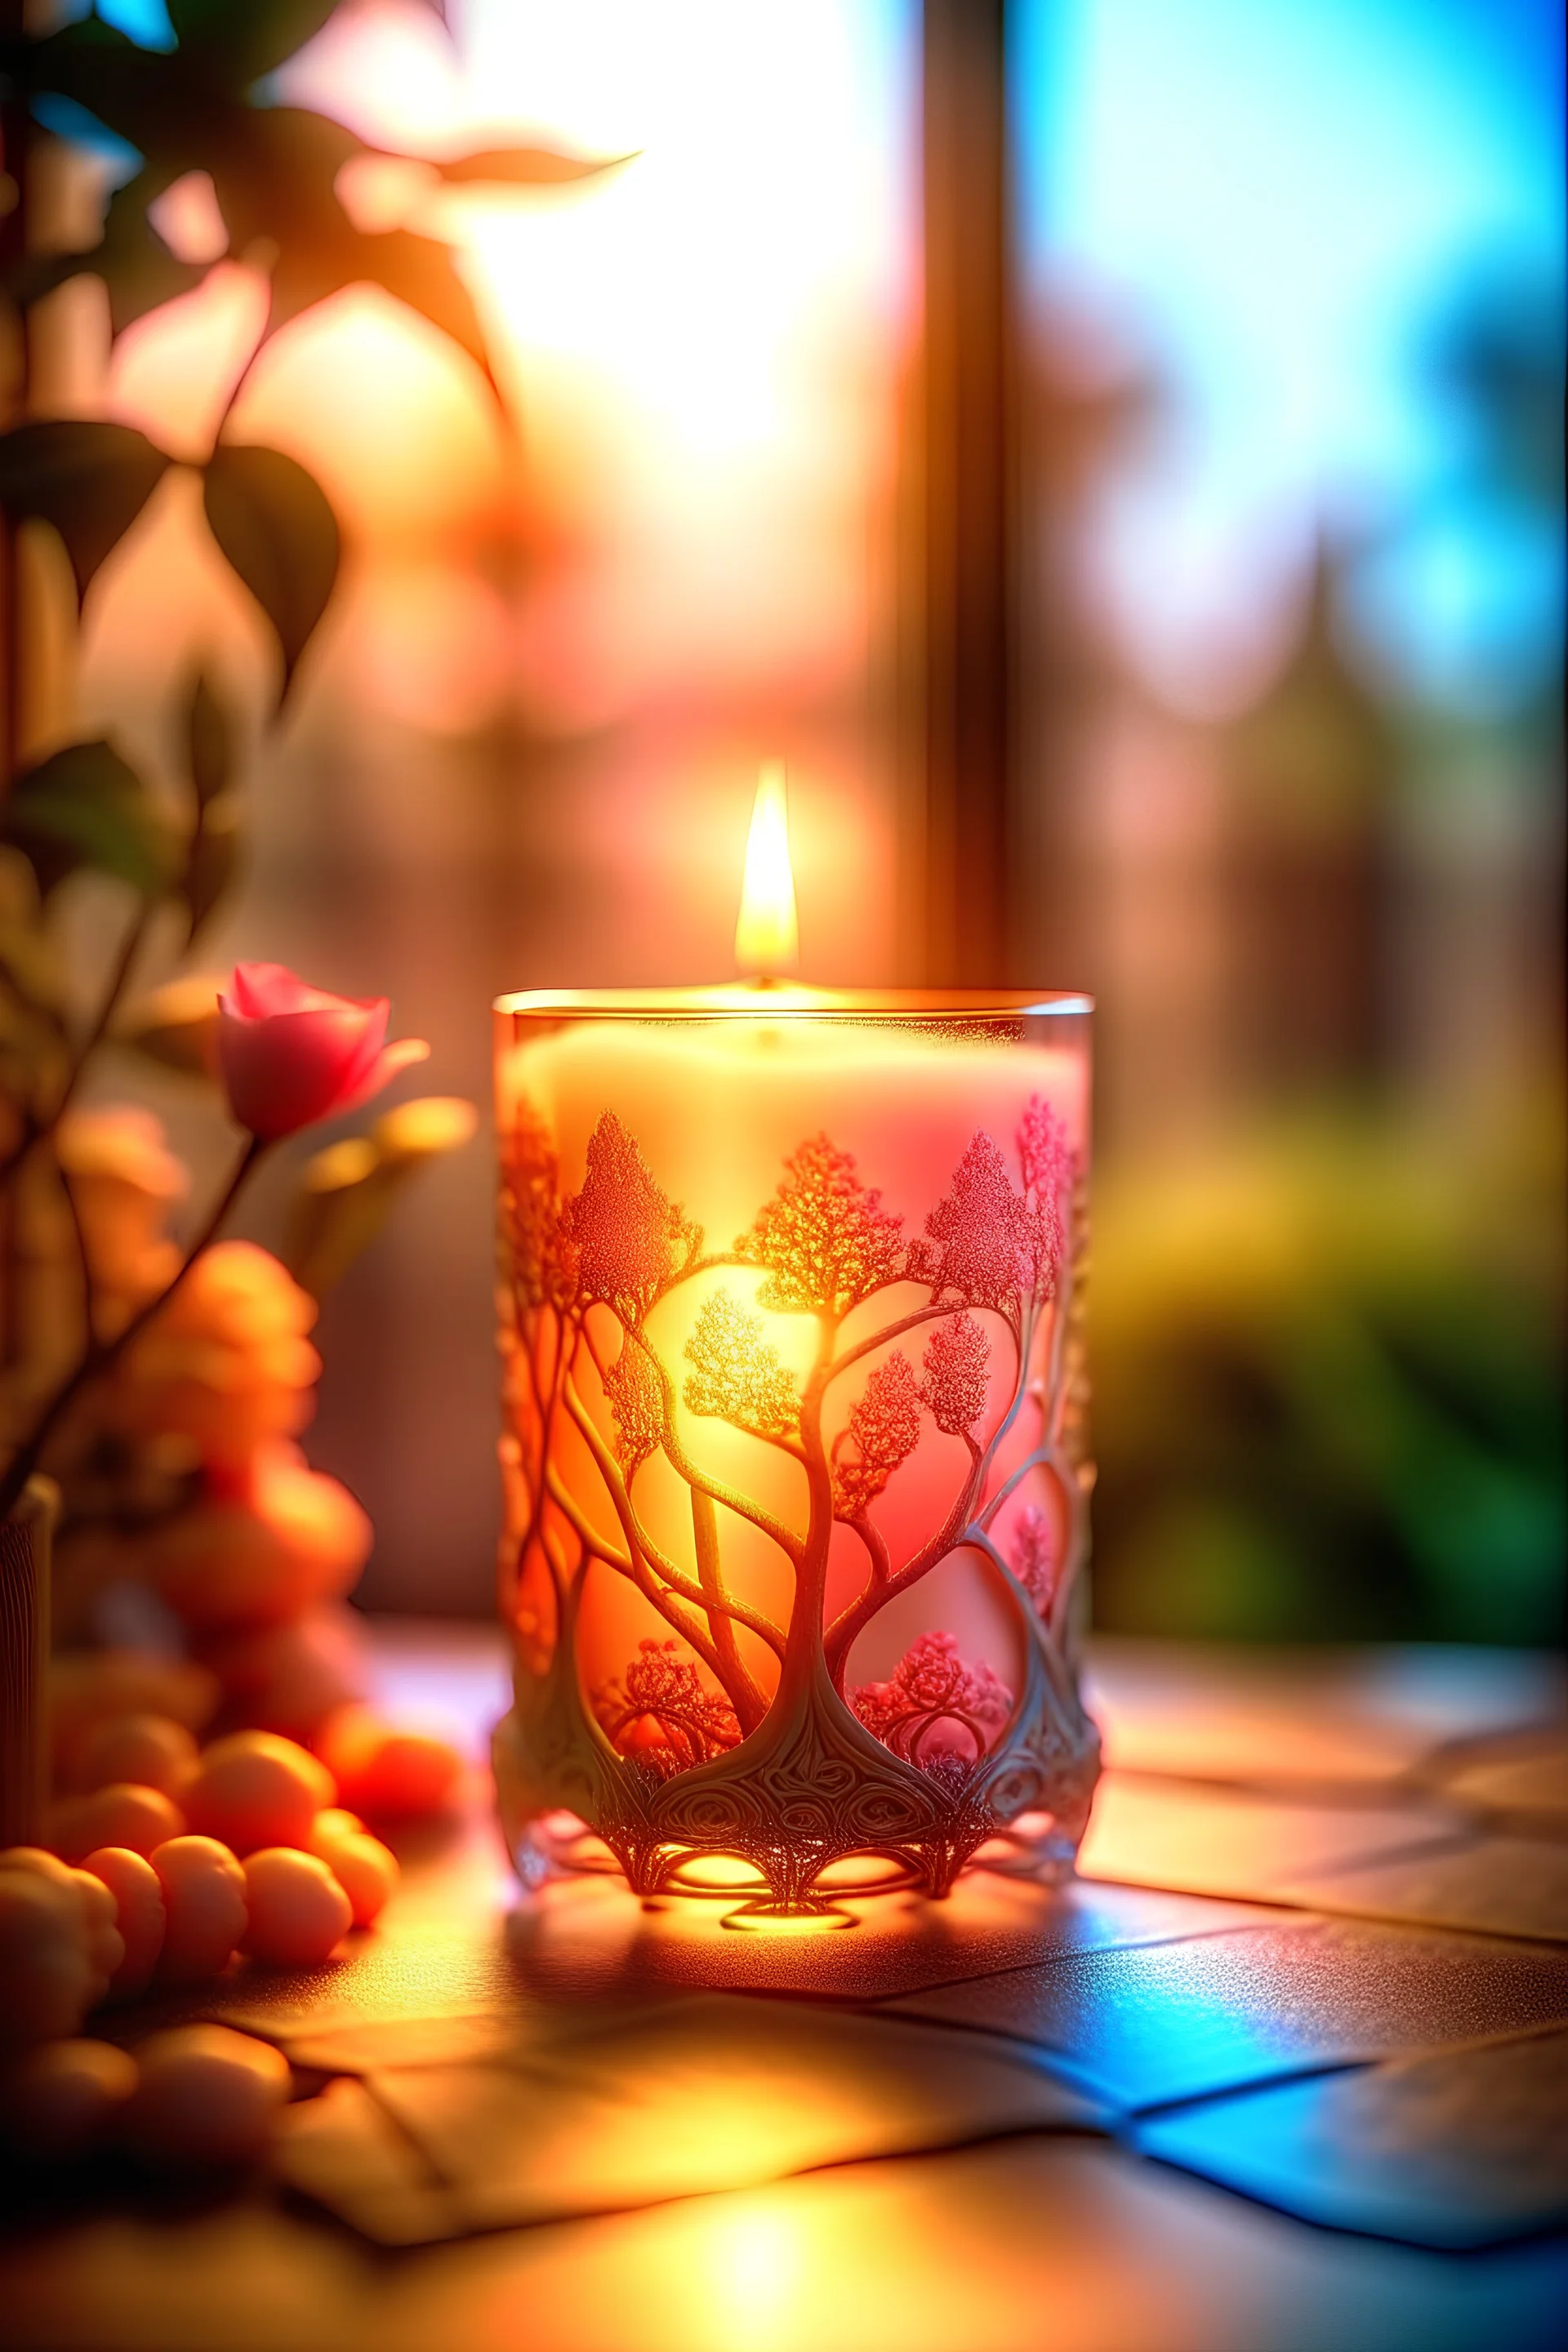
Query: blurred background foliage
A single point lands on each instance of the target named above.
(1290, 283)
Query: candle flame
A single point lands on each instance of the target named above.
(767, 941)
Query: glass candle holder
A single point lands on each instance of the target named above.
(796, 1459)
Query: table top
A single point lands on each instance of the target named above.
(1284, 2070)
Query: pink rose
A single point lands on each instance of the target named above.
(291, 1054)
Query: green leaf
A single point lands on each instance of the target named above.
(209, 746)
(524, 167)
(85, 807)
(273, 523)
(243, 39)
(89, 480)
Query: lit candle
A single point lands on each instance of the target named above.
(794, 1455)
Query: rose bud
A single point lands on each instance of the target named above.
(291, 1054)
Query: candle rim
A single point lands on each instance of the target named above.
(742, 1000)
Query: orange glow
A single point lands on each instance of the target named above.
(767, 939)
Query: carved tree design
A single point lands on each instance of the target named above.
(931, 1686)
(1034, 1560)
(658, 1714)
(957, 1375)
(885, 1428)
(736, 1373)
(826, 1239)
(623, 1230)
(636, 1402)
(997, 1248)
(542, 1263)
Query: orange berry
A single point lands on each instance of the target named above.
(100, 1926)
(119, 1814)
(288, 1677)
(203, 1899)
(206, 2095)
(38, 1859)
(333, 1821)
(86, 1688)
(298, 1910)
(152, 1751)
(384, 1773)
(95, 1932)
(366, 1869)
(61, 2101)
(142, 1916)
(254, 1789)
(47, 1977)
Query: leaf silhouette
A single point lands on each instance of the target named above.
(272, 522)
(88, 480)
(146, 98)
(274, 168)
(209, 749)
(276, 181)
(242, 39)
(523, 167)
(212, 862)
(136, 266)
(85, 806)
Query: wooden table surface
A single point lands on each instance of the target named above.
(1308, 1875)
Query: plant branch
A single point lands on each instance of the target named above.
(99, 1358)
(36, 1131)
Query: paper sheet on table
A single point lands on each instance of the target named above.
(1494, 1886)
(1180, 2020)
(709, 2093)
(1462, 2149)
